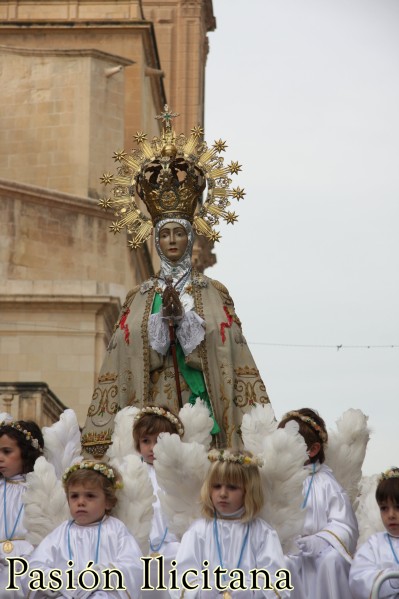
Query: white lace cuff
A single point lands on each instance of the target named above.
(190, 332)
(158, 333)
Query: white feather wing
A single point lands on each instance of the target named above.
(256, 424)
(122, 437)
(197, 423)
(5, 417)
(368, 512)
(181, 469)
(283, 474)
(346, 450)
(62, 442)
(46, 506)
(135, 499)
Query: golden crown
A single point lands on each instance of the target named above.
(169, 174)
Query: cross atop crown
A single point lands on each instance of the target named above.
(166, 116)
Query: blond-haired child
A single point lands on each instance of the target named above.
(231, 536)
(93, 536)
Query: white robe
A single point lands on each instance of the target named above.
(262, 550)
(372, 559)
(329, 515)
(117, 549)
(164, 544)
(16, 487)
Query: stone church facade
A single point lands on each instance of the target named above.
(78, 78)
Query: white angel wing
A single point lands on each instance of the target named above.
(259, 422)
(283, 474)
(346, 450)
(45, 502)
(5, 417)
(368, 512)
(181, 469)
(197, 423)
(62, 442)
(122, 437)
(135, 499)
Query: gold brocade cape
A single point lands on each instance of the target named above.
(134, 374)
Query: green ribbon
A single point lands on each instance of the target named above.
(194, 378)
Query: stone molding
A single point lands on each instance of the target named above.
(30, 401)
(51, 197)
(91, 53)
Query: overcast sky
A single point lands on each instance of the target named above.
(306, 93)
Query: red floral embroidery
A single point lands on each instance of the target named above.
(124, 326)
(224, 325)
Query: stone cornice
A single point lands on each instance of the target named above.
(107, 307)
(77, 205)
(91, 53)
(71, 9)
(59, 300)
(28, 388)
(210, 20)
(146, 28)
(75, 24)
(50, 197)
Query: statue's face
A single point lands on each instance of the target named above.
(173, 241)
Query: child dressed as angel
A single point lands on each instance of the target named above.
(380, 553)
(93, 536)
(149, 423)
(231, 536)
(330, 530)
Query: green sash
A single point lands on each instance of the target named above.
(194, 378)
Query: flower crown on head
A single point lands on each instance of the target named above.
(27, 434)
(391, 473)
(165, 414)
(224, 455)
(99, 467)
(308, 420)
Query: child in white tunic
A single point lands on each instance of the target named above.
(230, 537)
(380, 553)
(330, 530)
(92, 535)
(150, 422)
(21, 443)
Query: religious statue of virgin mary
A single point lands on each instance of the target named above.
(178, 337)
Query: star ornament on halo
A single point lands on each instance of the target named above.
(119, 155)
(105, 203)
(215, 236)
(234, 167)
(231, 218)
(198, 131)
(133, 244)
(140, 137)
(238, 193)
(220, 145)
(107, 178)
(115, 228)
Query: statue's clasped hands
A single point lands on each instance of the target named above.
(171, 305)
